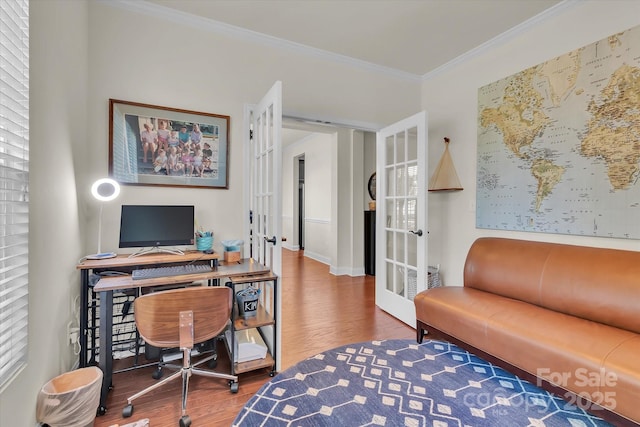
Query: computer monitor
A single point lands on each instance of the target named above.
(156, 227)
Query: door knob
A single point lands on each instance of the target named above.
(416, 232)
(271, 240)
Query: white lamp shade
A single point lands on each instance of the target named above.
(105, 189)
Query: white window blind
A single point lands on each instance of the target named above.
(14, 186)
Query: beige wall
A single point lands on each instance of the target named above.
(58, 140)
(451, 100)
(317, 149)
(85, 52)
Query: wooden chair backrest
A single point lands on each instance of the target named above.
(158, 314)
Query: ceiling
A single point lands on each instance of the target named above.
(410, 38)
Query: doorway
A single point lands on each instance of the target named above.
(324, 192)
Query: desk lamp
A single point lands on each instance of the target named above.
(104, 190)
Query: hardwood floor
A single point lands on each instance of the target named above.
(319, 312)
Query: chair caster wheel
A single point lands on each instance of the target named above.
(101, 410)
(185, 421)
(127, 411)
(157, 374)
(272, 374)
(213, 363)
(234, 386)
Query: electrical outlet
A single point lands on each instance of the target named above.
(73, 336)
(72, 333)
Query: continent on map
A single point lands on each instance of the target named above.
(520, 117)
(614, 128)
(548, 175)
(561, 74)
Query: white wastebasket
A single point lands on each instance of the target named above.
(71, 399)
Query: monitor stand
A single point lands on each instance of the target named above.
(155, 249)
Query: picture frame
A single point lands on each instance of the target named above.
(163, 146)
(371, 186)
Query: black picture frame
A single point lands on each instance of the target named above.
(371, 186)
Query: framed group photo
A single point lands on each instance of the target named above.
(154, 145)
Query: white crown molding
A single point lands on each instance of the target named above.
(239, 33)
(501, 38)
(332, 122)
(206, 24)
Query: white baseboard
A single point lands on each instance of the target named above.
(353, 272)
(317, 257)
(290, 247)
(342, 271)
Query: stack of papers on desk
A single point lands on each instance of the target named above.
(248, 344)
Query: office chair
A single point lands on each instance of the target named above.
(181, 318)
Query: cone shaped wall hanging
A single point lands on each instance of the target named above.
(445, 177)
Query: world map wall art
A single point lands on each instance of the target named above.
(559, 144)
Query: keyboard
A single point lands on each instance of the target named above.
(174, 270)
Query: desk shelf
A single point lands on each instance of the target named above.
(265, 317)
(262, 318)
(252, 365)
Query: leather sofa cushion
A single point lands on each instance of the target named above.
(597, 284)
(566, 350)
(626, 390)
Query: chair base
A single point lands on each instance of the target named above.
(185, 372)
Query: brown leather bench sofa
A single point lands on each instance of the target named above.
(564, 317)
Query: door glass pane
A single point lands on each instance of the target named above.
(412, 214)
(391, 222)
(412, 144)
(390, 181)
(263, 214)
(263, 177)
(412, 283)
(268, 172)
(399, 288)
(389, 275)
(268, 216)
(400, 180)
(388, 146)
(400, 247)
(400, 147)
(390, 242)
(269, 125)
(261, 134)
(412, 180)
(401, 217)
(412, 246)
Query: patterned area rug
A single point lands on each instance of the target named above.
(400, 383)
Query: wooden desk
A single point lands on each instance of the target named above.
(106, 285)
(245, 267)
(121, 263)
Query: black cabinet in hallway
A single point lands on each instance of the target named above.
(370, 243)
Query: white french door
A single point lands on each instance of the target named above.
(401, 216)
(263, 189)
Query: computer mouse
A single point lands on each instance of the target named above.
(208, 251)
